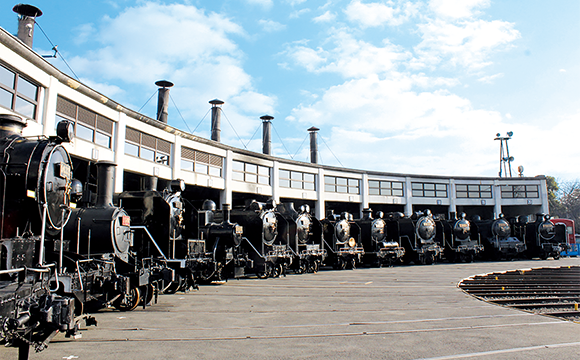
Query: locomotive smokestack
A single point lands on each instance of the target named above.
(226, 209)
(216, 119)
(105, 183)
(267, 134)
(163, 99)
(313, 145)
(26, 20)
(11, 125)
(150, 183)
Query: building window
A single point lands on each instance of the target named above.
(89, 125)
(429, 190)
(147, 147)
(341, 185)
(18, 94)
(201, 162)
(519, 191)
(464, 191)
(387, 188)
(251, 173)
(297, 180)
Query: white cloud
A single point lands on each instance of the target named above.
(456, 9)
(562, 70)
(266, 4)
(296, 14)
(271, 26)
(324, 18)
(378, 14)
(467, 44)
(490, 79)
(350, 57)
(83, 33)
(180, 43)
(295, 2)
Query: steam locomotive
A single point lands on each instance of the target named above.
(98, 242)
(543, 239)
(266, 231)
(304, 238)
(458, 241)
(417, 236)
(497, 238)
(36, 185)
(342, 237)
(379, 250)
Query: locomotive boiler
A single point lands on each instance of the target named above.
(379, 249)
(497, 238)
(267, 233)
(342, 237)
(459, 243)
(35, 188)
(416, 234)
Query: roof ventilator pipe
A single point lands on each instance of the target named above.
(267, 134)
(163, 99)
(314, 145)
(28, 14)
(216, 119)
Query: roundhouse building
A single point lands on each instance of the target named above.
(143, 147)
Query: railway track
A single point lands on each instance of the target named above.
(547, 291)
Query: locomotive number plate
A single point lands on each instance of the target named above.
(125, 221)
(63, 170)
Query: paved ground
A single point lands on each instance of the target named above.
(413, 312)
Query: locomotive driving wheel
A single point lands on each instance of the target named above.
(130, 301)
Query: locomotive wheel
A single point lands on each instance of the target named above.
(173, 286)
(264, 274)
(130, 301)
(315, 266)
(353, 263)
(341, 264)
(302, 267)
(147, 293)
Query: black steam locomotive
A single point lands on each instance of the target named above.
(104, 270)
(497, 238)
(416, 234)
(342, 238)
(304, 238)
(459, 243)
(36, 184)
(267, 233)
(379, 249)
(543, 239)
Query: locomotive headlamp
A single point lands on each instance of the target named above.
(65, 131)
(351, 242)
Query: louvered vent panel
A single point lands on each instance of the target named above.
(105, 124)
(202, 157)
(164, 146)
(148, 140)
(86, 116)
(215, 160)
(132, 135)
(66, 107)
(187, 153)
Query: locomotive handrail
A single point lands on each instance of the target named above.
(151, 238)
(257, 252)
(330, 247)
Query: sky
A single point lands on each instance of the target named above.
(418, 87)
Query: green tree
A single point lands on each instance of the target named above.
(553, 201)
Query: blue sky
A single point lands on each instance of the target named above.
(398, 86)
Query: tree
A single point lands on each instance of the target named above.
(553, 189)
(567, 202)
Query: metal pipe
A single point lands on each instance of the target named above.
(216, 119)
(313, 145)
(26, 20)
(42, 234)
(267, 134)
(163, 99)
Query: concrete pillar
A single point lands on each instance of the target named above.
(320, 209)
(226, 194)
